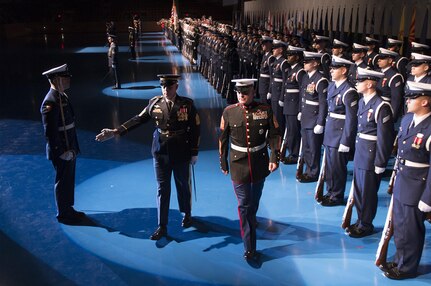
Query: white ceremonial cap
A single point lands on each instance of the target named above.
(312, 55)
(340, 62)
(364, 74)
(339, 43)
(394, 42)
(244, 81)
(62, 70)
(418, 89)
(387, 53)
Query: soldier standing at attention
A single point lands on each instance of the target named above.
(61, 142)
(246, 129)
(340, 131)
(313, 111)
(358, 54)
(267, 60)
(113, 60)
(374, 142)
(412, 192)
(174, 148)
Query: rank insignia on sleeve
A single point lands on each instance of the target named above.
(418, 140)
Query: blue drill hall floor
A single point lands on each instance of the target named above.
(301, 242)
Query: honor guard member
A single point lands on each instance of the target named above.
(267, 60)
(321, 44)
(62, 146)
(420, 48)
(339, 49)
(340, 131)
(371, 56)
(291, 104)
(174, 148)
(113, 60)
(412, 192)
(420, 65)
(400, 62)
(278, 71)
(314, 108)
(374, 143)
(358, 54)
(247, 128)
(391, 86)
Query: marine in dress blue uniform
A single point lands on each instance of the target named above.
(247, 128)
(412, 188)
(340, 131)
(374, 142)
(175, 146)
(313, 111)
(62, 146)
(391, 86)
(291, 104)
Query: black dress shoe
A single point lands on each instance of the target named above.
(307, 179)
(289, 160)
(187, 221)
(159, 233)
(395, 274)
(385, 267)
(358, 232)
(251, 255)
(71, 216)
(351, 227)
(328, 202)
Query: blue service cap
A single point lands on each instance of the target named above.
(62, 70)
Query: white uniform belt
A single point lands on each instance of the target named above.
(336, 115)
(385, 98)
(413, 164)
(278, 79)
(67, 127)
(310, 102)
(248, 149)
(367, 137)
(289, 90)
(264, 75)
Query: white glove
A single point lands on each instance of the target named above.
(281, 103)
(424, 207)
(268, 96)
(193, 160)
(299, 116)
(113, 66)
(379, 170)
(343, 148)
(318, 129)
(67, 156)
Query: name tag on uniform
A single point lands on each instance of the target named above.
(259, 114)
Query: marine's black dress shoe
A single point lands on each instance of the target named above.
(395, 274)
(387, 266)
(358, 232)
(328, 202)
(70, 216)
(307, 179)
(350, 227)
(187, 221)
(251, 255)
(160, 232)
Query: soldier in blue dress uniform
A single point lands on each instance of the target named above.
(339, 49)
(61, 142)
(358, 55)
(374, 143)
(247, 128)
(371, 56)
(278, 71)
(175, 147)
(313, 111)
(321, 44)
(267, 60)
(400, 62)
(412, 191)
(340, 131)
(420, 69)
(391, 86)
(291, 103)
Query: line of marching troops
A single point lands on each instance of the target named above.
(352, 99)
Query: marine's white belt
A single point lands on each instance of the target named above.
(336, 115)
(310, 102)
(67, 127)
(248, 149)
(288, 90)
(264, 75)
(409, 163)
(278, 79)
(367, 137)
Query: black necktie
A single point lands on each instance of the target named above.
(170, 104)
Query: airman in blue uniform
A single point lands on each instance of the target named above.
(358, 55)
(412, 191)
(374, 142)
(340, 131)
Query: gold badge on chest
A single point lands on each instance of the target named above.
(311, 87)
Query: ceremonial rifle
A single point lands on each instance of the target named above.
(300, 164)
(318, 194)
(347, 215)
(388, 230)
